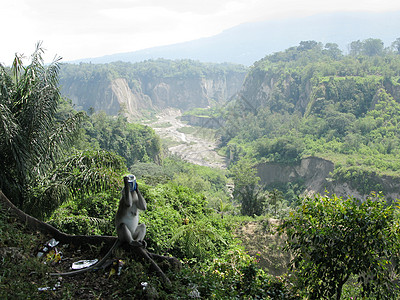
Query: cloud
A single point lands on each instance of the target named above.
(88, 28)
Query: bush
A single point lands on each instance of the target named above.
(89, 215)
(234, 275)
(332, 239)
(281, 149)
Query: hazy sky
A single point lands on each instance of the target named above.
(89, 28)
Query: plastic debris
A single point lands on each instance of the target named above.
(54, 256)
(120, 265)
(47, 288)
(50, 245)
(116, 268)
(144, 285)
(112, 272)
(81, 264)
(58, 284)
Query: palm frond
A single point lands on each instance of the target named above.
(58, 142)
(30, 141)
(90, 171)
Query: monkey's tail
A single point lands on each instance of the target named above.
(93, 267)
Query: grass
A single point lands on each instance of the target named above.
(22, 274)
(200, 132)
(187, 129)
(380, 164)
(161, 125)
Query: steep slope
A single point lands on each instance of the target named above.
(312, 101)
(135, 88)
(316, 173)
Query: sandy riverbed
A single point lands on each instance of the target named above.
(198, 147)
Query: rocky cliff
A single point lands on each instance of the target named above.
(313, 171)
(308, 93)
(192, 92)
(316, 174)
(262, 88)
(113, 90)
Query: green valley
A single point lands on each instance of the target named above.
(300, 201)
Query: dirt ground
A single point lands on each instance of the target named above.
(261, 241)
(198, 147)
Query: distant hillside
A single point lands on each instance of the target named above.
(311, 101)
(247, 43)
(137, 88)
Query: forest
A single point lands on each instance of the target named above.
(65, 167)
(313, 101)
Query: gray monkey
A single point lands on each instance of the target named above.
(126, 222)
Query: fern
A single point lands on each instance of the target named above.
(197, 240)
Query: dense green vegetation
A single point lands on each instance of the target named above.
(321, 103)
(311, 100)
(149, 69)
(77, 190)
(32, 140)
(336, 240)
(212, 183)
(133, 142)
(43, 140)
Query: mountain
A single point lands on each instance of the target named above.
(249, 42)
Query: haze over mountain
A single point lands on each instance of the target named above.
(249, 42)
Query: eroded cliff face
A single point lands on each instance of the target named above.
(313, 170)
(262, 89)
(290, 92)
(130, 99)
(82, 94)
(112, 96)
(316, 174)
(185, 93)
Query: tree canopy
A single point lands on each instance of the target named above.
(31, 139)
(333, 240)
(312, 100)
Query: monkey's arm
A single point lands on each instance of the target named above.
(141, 203)
(127, 193)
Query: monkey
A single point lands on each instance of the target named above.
(126, 222)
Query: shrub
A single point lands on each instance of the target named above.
(333, 239)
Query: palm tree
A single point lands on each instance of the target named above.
(31, 139)
(275, 197)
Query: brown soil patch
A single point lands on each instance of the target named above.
(261, 241)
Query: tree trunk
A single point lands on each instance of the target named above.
(340, 287)
(339, 292)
